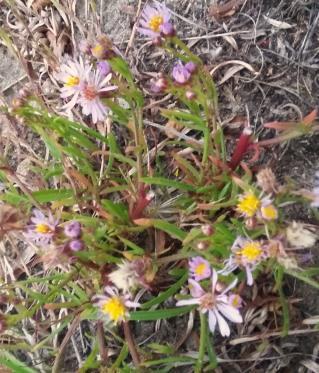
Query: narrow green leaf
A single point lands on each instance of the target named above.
(168, 183)
(159, 314)
(167, 293)
(49, 195)
(170, 228)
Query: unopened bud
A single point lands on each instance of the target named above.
(191, 67)
(159, 85)
(202, 245)
(207, 230)
(190, 95)
(167, 29)
(76, 245)
(158, 41)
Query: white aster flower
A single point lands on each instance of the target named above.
(90, 95)
(73, 74)
(218, 306)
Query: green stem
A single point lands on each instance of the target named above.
(202, 343)
(283, 300)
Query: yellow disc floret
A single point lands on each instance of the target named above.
(251, 251)
(269, 212)
(42, 228)
(155, 23)
(72, 81)
(248, 205)
(115, 309)
(200, 269)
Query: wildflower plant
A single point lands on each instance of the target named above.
(207, 215)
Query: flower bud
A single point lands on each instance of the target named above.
(104, 68)
(180, 74)
(76, 245)
(73, 229)
(157, 41)
(202, 245)
(167, 29)
(159, 85)
(190, 95)
(191, 67)
(207, 230)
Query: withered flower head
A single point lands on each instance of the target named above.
(266, 180)
(10, 219)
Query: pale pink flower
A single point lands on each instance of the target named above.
(73, 74)
(246, 254)
(113, 305)
(315, 191)
(218, 306)
(90, 95)
(199, 268)
(154, 20)
(42, 229)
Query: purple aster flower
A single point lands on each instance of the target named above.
(90, 97)
(199, 268)
(42, 229)
(180, 74)
(76, 245)
(155, 20)
(218, 306)
(73, 229)
(104, 68)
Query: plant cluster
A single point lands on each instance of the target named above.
(121, 225)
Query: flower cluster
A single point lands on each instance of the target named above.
(217, 301)
(46, 230)
(249, 205)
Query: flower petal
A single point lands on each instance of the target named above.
(223, 326)
(212, 321)
(230, 312)
(187, 302)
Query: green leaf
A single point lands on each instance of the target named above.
(159, 314)
(11, 362)
(136, 250)
(120, 66)
(49, 195)
(118, 210)
(187, 119)
(167, 293)
(168, 183)
(169, 228)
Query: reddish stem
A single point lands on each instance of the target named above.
(131, 343)
(241, 148)
(144, 199)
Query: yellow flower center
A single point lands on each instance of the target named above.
(235, 301)
(248, 205)
(200, 269)
(42, 228)
(97, 50)
(269, 212)
(72, 81)
(251, 251)
(115, 309)
(155, 23)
